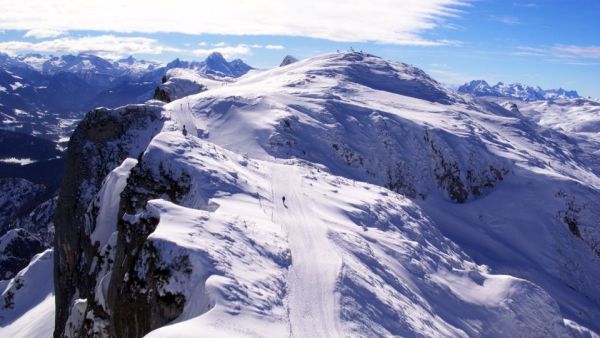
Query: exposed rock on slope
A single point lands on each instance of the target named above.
(288, 60)
(100, 143)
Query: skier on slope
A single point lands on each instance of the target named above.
(283, 200)
(184, 131)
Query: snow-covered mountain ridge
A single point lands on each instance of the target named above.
(341, 195)
(515, 91)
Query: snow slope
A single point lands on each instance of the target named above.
(27, 308)
(339, 258)
(315, 262)
(575, 123)
(409, 210)
(353, 112)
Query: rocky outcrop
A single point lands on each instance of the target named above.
(140, 295)
(400, 155)
(135, 297)
(25, 229)
(101, 142)
(17, 196)
(288, 60)
(39, 222)
(17, 247)
(462, 181)
(175, 88)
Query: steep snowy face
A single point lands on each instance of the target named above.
(515, 91)
(342, 195)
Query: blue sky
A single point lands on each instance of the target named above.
(551, 43)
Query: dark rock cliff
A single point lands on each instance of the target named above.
(99, 144)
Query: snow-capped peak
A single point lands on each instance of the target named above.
(214, 65)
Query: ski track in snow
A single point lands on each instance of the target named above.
(312, 277)
(182, 114)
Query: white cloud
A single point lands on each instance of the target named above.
(567, 54)
(530, 51)
(507, 20)
(525, 4)
(105, 45)
(232, 51)
(382, 21)
(592, 52)
(44, 33)
(227, 51)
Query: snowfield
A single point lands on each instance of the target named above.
(338, 196)
(310, 266)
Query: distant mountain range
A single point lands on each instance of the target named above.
(42, 95)
(515, 91)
